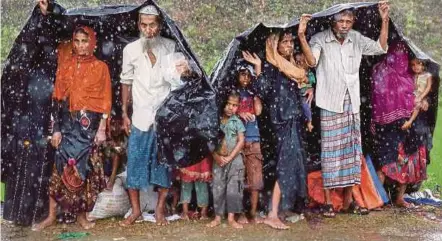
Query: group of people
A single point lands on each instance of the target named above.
(281, 86)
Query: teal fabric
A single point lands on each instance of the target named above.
(231, 129)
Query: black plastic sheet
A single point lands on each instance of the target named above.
(186, 123)
(368, 23)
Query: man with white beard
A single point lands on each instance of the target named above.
(149, 73)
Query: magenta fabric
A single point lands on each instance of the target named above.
(392, 86)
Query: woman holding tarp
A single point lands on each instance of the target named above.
(81, 104)
(277, 86)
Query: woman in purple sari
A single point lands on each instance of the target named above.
(392, 104)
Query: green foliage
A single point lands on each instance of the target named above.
(8, 33)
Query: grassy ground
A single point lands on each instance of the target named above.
(435, 168)
(392, 224)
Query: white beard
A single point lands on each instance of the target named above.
(149, 43)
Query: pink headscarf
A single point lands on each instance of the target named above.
(392, 86)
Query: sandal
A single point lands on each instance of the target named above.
(356, 209)
(328, 211)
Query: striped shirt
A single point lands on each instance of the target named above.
(338, 67)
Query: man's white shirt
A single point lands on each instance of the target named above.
(150, 84)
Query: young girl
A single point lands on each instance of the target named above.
(423, 82)
(197, 176)
(228, 167)
(114, 150)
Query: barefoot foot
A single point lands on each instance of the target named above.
(130, 220)
(275, 223)
(243, 219)
(185, 216)
(235, 224)
(49, 221)
(84, 223)
(214, 223)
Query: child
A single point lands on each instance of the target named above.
(196, 176)
(228, 167)
(250, 106)
(114, 149)
(307, 84)
(423, 82)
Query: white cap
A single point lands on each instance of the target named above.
(149, 10)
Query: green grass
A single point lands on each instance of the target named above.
(435, 168)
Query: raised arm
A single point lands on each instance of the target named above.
(384, 10)
(309, 57)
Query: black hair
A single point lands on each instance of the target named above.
(345, 12)
(281, 34)
(80, 30)
(233, 93)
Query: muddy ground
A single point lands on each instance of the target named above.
(389, 224)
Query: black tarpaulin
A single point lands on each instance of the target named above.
(186, 123)
(368, 22)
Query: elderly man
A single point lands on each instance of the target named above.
(150, 71)
(337, 54)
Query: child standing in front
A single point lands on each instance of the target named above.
(422, 85)
(250, 106)
(196, 176)
(228, 166)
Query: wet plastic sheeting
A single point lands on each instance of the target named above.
(187, 120)
(368, 22)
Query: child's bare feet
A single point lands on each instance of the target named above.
(215, 222)
(204, 215)
(243, 219)
(49, 221)
(130, 220)
(256, 219)
(235, 224)
(185, 216)
(406, 125)
(160, 217)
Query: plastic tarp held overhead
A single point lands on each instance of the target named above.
(186, 122)
(368, 23)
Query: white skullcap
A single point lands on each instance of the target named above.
(149, 10)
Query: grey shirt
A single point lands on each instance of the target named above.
(338, 67)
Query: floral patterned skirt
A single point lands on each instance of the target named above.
(410, 168)
(83, 197)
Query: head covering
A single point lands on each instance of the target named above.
(92, 39)
(68, 58)
(392, 86)
(149, 10)
(289, 68)
(242, 65)
(85, 80)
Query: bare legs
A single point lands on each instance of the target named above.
(161, 206)
(230, 219)
(50, 220)
(134, 196)
(272, 218)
